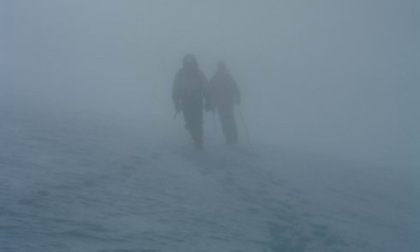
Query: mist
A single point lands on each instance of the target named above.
(94, 156)
(336, 78)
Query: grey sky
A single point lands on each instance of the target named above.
(338, 77)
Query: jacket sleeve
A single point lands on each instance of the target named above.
(175, 88)
(237, 92)
(206, 91)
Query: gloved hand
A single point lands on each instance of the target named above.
(178, 106)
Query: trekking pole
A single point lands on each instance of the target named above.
(214, 122)
(245, 125)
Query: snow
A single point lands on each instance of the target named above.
(96, 185)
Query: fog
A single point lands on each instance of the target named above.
(340, 78)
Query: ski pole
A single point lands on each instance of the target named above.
(214, 122)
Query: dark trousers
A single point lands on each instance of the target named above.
(193, 116)
(227, 120)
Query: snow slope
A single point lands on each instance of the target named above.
(85, 185)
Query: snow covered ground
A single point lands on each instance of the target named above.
(85, 185)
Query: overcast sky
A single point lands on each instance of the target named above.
(337, 77)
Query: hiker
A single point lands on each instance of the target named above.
(188, 93)
(223, 94)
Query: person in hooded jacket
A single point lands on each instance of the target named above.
(188, 94)
(223, 93)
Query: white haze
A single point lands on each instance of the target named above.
(340, 78)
